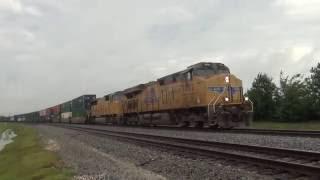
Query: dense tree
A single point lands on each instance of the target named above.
(314, 86)
(262, 94)
(297, 98)
(293, 99)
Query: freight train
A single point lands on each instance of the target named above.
(203, 95)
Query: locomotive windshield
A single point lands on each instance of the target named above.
(207, 69)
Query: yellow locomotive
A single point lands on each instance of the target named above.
(204, 94)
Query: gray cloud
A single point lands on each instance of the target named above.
(52, 51)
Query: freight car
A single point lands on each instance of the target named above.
(80, 108)
(204, 94)
(4, 119)
(77, 110)
(33, 117)
(19, 118)
(66, 112)
(54, 114)
(43, 115)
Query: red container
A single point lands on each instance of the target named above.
(48, 112)
(54, 113)
(55, 110)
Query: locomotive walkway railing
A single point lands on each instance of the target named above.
(215, 103)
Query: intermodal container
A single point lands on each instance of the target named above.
(19, 118)
(66, 115)
(43, 113)
(81, 107)
(66, 112)
(54, 113)
(66, 107)
(56, 109)
(32, 117)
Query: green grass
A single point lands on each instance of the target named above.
(312, 125)
(26, 158)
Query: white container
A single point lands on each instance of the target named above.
(66, 115)
(21, 119)
(43, 113)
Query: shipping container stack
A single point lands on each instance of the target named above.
(43, 115)
(66, 112)
(19, 118)
(54, 114)
(81, 107)
(75, 111)
(4, 119)
(33, 117)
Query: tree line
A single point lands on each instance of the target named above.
(296, 98)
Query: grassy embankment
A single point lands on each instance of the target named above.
(312, 125)
(26, 158)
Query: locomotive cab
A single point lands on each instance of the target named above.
(211, 87)
(226, 105)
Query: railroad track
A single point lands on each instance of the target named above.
(272, 132)
(296, 133)
(277, 160)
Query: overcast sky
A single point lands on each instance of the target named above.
(54, 50)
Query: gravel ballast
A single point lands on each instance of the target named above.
(93, 157)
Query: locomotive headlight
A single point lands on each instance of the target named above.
(226, 99)
(227, 79)
(246, 98)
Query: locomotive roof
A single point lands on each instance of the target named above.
(198, 65)
(115, 93)
(137, 88)
(201, 64)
